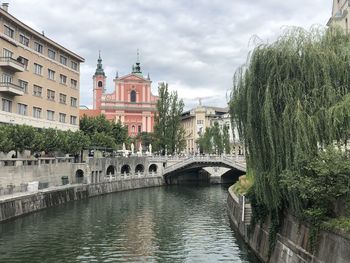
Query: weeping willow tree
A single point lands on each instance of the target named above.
(291, 99)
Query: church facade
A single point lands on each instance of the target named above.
(132, 102)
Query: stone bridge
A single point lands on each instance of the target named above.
(236, 167)
(21, 175)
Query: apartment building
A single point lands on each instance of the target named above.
(195, 121)
(340, 14)
(39, 78)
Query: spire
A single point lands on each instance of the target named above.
(136, 69)
(99, 69)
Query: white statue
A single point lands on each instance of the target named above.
(140, 149)
(150, 148)
(132, 148)
(124, 149)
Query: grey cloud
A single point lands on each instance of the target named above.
(193, 45)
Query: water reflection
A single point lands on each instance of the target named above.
(165, 224)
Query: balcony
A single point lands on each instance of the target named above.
(11, 89)
(11, 64)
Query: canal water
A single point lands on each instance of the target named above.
(187, 223)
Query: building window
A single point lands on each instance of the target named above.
(7, 53)
(6, 105)
(24, 40)
(200, 122)
(133, 129)
(38, 69)
(63, 79)
(62, 118)
(63, 60)
(139, 129)
(51, 74)
(63, 98)
(50, 115)
(50, 94)
(7, 78)
(74, 65)
(24, 61)
(73, 102)
(133, 96)
(51, 54)
(22, 109)
(73, 83)
(99, 84)
(73, 120)
(37, 112)
(9, 31)
(37, 91)
(24, 85)
(38, 47)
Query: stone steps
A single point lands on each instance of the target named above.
(247, 214)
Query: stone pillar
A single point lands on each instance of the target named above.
(144, 123)
(143, 93)
(122, 93)
(148, 93)
(149, 123)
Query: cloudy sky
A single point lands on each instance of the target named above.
(194, 45)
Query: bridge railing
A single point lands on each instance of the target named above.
(238, 161)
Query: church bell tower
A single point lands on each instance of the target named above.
(99, 79)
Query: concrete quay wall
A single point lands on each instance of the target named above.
(292, 244)
(19, 175)
(24, 203)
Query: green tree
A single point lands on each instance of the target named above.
(101, 139)
(217, 138)
(6, 143)
(22, 137)
(53, 141)
(76, 142)
(205, 141)
(119, 133)
(38, 142)
(91, 125)
(168, 129)
(226, 138)
(292, 98)
(115, 131)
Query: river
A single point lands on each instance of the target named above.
(187, 223)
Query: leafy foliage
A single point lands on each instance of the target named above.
(104, 133)
(168, 130)
(290, 101)
(214, 140)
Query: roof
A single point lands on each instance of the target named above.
(218, 111)
(39, 35)
(89, 113)
(137, 76)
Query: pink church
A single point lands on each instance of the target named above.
(132, 101)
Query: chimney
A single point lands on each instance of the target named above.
(5, 7)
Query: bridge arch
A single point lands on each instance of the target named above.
(153, 168)
(125, 169)
(110, 170)
(189, 169)
(79, 176)
(139, 168)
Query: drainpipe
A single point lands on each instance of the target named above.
(243, 204)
